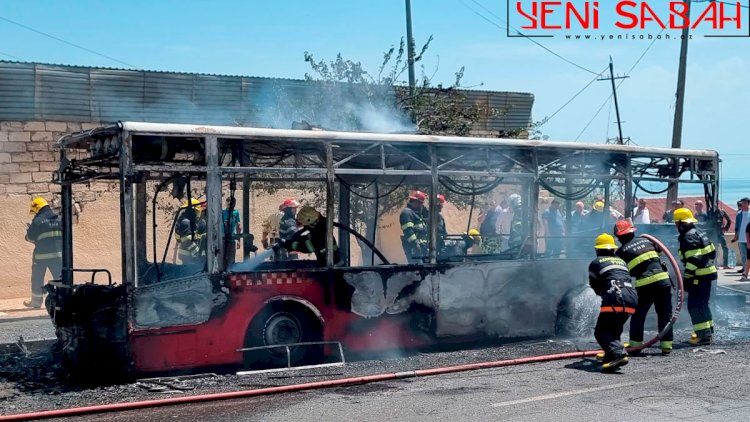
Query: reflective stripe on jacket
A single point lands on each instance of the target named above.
(698, 254)
(642, 259)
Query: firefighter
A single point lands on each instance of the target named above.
(287, 226)
(187, 233)
(652, 282)
(697, 254)
(311, 238)
(414, 239)
(45, 232)
(517, 235)
(442, 231)
(609, 278)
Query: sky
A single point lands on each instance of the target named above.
(269, 38)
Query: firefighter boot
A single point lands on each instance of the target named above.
(666, 348)
(600, 355)
(702, 338)
(617, 362)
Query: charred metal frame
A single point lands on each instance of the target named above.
(360, 156)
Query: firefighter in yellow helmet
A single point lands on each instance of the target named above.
(610, 279)
(189, 232)
(697, 254)
(312, 237)
(45, 232)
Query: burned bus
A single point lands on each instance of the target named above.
(161, 316)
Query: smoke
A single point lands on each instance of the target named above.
(340, 107)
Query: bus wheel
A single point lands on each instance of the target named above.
(577, 312)
(281, 323)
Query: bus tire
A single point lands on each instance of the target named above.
(577, 312)
(283, 322)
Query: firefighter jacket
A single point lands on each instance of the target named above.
(698, 255)
(288, 226)
(643, 262)
(415, 232)
(45, 231)
(312, 239)
(442, 231)
(190, 237)
(609, 278)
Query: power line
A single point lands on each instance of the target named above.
(11, 56)
(524, 36)
(547, 119)
(609, 97)
(66, 42)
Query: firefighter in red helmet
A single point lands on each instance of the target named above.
(652, 282)
(414, 228)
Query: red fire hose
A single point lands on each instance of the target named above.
(680, 296)
(119, 407)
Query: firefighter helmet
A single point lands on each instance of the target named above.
(418, 196)
(288, 203)
(605, 241)
(193, 203)
(308, 216)
(37, 204)
(684, 215)
(623, 227)
(474, 233)
(441, 198)
(599, 206)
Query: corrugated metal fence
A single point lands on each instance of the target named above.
(32, 91)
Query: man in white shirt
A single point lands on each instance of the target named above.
(641, 214)
(743, 218)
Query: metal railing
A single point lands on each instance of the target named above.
(289, 366)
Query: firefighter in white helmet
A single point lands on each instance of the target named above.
(311, 238)
(45, 232)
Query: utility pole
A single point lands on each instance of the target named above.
(410, 48)
(614, 94)
(679, 105)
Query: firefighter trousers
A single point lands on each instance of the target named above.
(608, 331)
(38, 270)
(698, 306)
(661, 297)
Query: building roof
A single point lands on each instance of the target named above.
(40, 91)
(657, 207)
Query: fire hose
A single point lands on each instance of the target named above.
(120, 407)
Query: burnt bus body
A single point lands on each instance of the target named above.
(164, 317)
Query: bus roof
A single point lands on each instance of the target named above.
(172, 129)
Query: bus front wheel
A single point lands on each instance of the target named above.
(283, 323)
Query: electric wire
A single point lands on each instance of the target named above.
(66, 42)
(11, 56)
(522, 35)
(651, 44)
(547, 119)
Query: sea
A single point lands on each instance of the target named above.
(730, 190)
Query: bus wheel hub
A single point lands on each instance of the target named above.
(282, 329)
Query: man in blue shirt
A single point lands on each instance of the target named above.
(233, 224)
(554, 228)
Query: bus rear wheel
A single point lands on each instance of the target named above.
(282, 323)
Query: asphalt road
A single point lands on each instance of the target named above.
(691, 384)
